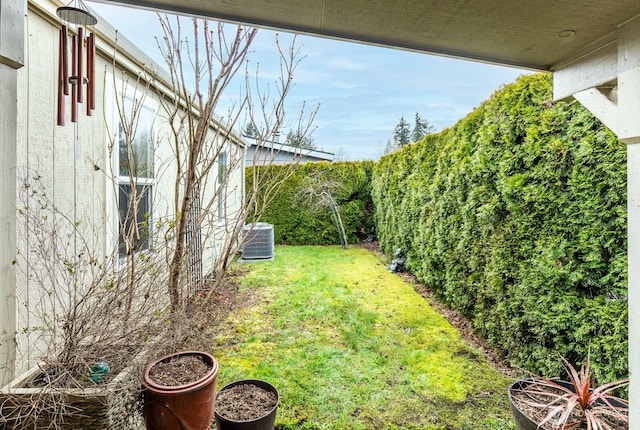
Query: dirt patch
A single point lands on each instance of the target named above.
(373, 246)
(180, 370)
(245, 402)
(213, 306)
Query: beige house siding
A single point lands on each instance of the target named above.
(75, 166)
(11, 59)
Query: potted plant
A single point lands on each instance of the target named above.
(107, 398)
(179, 391)
(90, 323)
(247, 404)
(549, 404)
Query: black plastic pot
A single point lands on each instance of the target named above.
(265, 422)
(522, 420)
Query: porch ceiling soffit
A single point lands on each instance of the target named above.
(580, 41)
(540, 35)
(607, 82)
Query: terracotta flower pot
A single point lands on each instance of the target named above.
(265, 422)
(181, 407)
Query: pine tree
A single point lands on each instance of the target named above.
(251, 131)
(421, 129)
(390, 147)
(295, 139)
(402, 133)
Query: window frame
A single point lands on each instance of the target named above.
(221, 184)
(148, 113)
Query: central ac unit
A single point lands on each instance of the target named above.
(257, 241)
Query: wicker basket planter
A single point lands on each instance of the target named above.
(113, 405)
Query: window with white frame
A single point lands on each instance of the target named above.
(135, 177)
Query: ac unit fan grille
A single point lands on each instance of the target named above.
(258, 241)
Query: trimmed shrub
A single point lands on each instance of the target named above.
(297, 217)
(516, 217)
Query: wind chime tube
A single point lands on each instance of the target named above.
(80, 49)
(61, 75)
(65, 59)
(74, 82)
(91, 72)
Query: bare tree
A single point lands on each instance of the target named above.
(94, 306)
(318, 191)
(132, 163)
(202, 65)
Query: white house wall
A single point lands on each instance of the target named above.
(73, 163)
(8, 94)
(11, 60)
(214, 228)
(44, 151)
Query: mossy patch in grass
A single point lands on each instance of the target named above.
(351, 346)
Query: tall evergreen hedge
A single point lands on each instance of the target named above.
(516, 217)
(297, 220)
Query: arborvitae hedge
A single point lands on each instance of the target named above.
(516, 217)
(295, 219)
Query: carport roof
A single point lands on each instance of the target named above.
(536, 34)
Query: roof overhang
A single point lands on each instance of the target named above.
(581, 41)
(541, 35)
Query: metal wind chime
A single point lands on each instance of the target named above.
(83, 53)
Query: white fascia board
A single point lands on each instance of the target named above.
(599, 68)
(288, 149)
(601, 106)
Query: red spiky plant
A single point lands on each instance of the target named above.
(578, 403)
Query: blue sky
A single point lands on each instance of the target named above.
(362, 90)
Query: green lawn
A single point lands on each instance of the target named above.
(349, 345)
